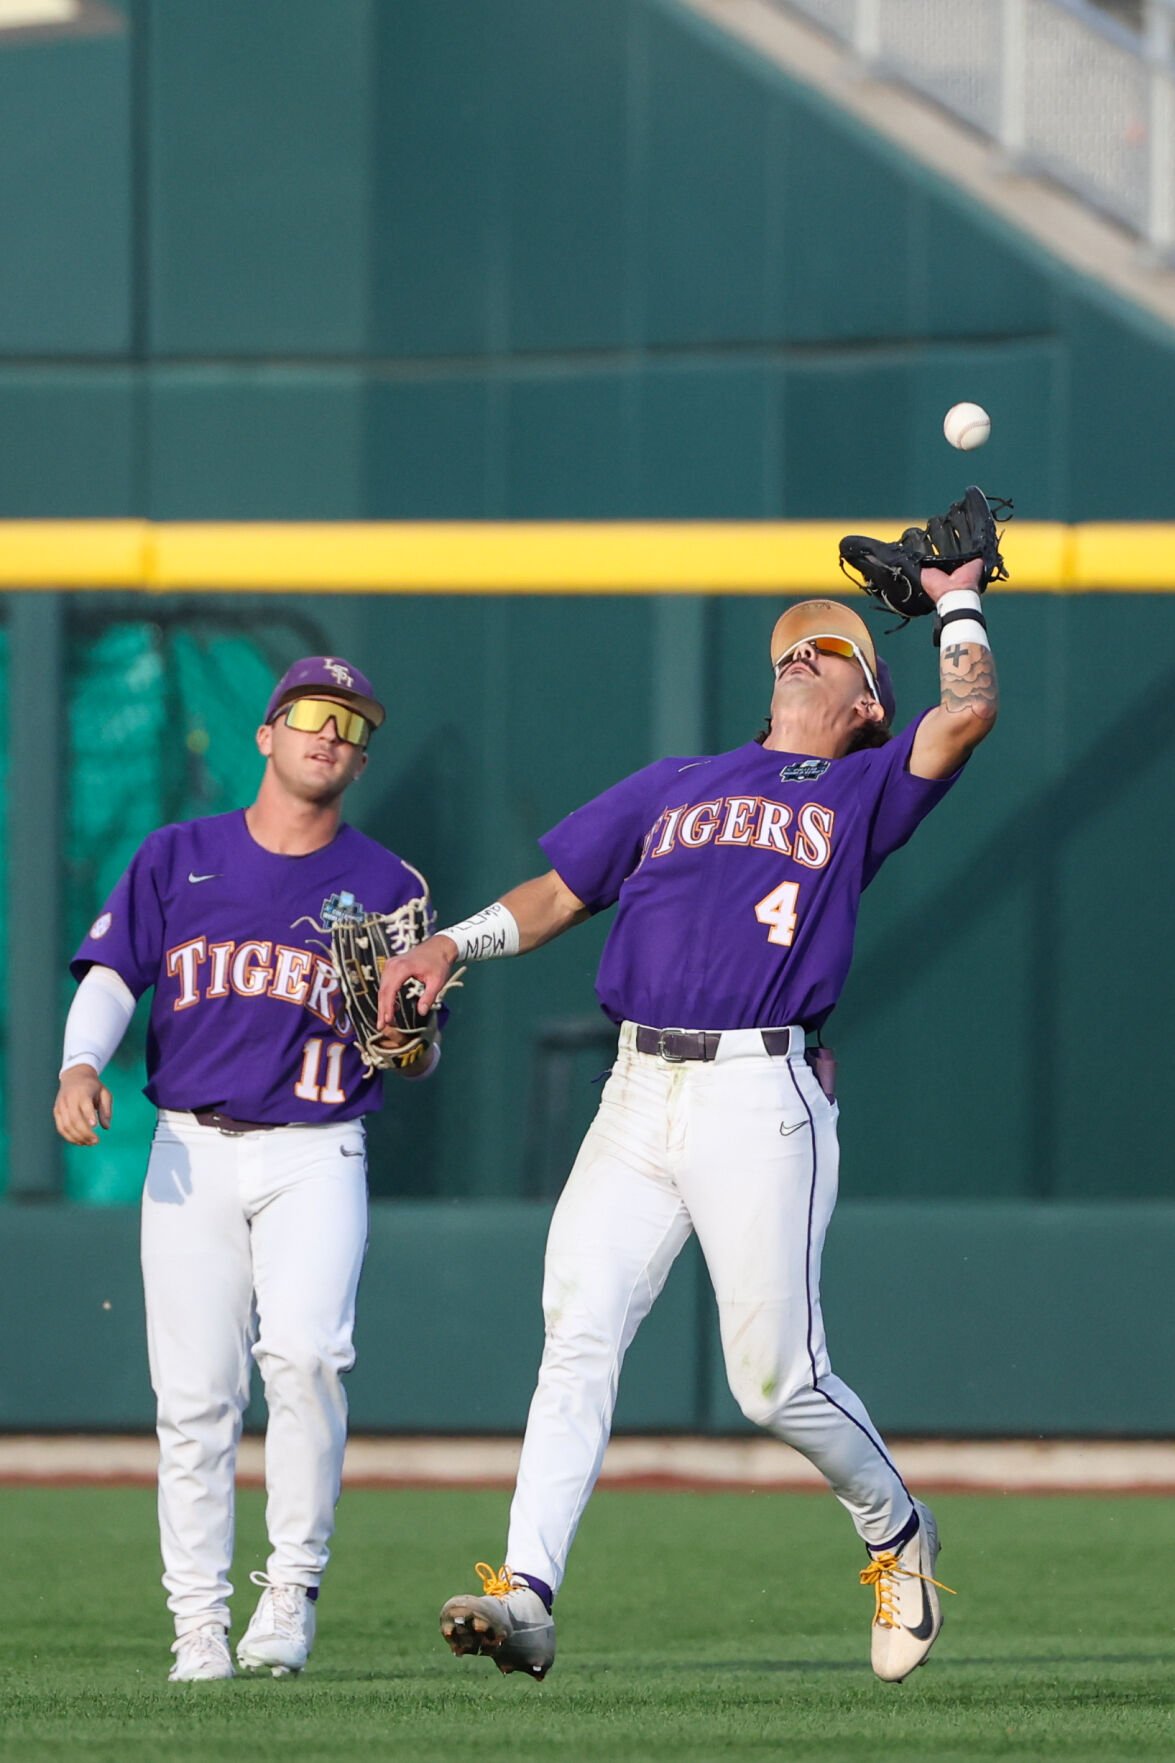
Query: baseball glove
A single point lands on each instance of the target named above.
(360, 949)
(892, 572)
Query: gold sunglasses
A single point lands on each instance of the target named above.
(311, 715)
(830, 645)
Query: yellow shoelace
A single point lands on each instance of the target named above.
(493, 1585)
(881, 1574)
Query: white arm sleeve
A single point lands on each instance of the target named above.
(97, 1020)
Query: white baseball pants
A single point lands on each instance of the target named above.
(742, 1150)
(250, 1242)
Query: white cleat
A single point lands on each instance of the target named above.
(281, 1634)
(908, 1614)
(506, 1621)
(201, 1655)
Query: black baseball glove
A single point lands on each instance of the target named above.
(892, 572)
(360, 949)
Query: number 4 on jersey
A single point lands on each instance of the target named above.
(778, 910)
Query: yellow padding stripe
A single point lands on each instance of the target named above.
(73, 553)
(1135, 556)
(758, 557)
(505, 557)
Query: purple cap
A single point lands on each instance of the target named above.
(326, 674)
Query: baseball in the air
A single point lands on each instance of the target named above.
(966, 426)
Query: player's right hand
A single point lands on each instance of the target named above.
(83, 1104)
(431, 962)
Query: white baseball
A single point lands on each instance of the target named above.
(966, 426)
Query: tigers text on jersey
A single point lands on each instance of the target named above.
(737, 879)
(246, 1013)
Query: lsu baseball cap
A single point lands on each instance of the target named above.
(326, 673)
(831, 618)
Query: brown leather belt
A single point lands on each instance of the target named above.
(676, 1044)
(226, 1124)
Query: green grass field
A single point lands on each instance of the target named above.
(692, 1627)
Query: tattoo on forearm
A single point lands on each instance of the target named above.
(967, 676)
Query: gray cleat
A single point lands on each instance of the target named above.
(908, 1615)
(506, 1621)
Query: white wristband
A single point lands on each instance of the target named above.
(953, 608)
(489, 934)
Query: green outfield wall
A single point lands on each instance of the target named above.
(517, 258)
(1004, 1031)
(536, 259)
(1003, 1037)
(998, 1319)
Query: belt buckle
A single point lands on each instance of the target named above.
(227, 1127)
(671, 1058)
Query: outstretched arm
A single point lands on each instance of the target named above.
(969, 700)
(524, 919)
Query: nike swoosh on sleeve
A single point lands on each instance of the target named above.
(215, 876)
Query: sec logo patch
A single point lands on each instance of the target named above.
(101, 925)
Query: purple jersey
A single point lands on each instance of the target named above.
(738, 879)
(246, 1014)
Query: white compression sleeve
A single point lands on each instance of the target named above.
(97, 1020)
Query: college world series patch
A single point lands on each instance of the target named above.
(804, 771)
(341, 909)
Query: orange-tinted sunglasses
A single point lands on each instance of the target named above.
(311, 715)
(831, 645)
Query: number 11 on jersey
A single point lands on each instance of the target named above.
(308, 1087)
(778, 910)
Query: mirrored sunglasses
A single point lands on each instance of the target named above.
(311, 715)
(830, 645)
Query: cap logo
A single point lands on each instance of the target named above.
(341, 674)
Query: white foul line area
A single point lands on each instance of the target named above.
(1018, 1466)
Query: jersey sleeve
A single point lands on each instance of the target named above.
(128, 933)
(596, 847)
(901, 800)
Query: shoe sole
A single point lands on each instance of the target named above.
(247, 1662)
(470, 1633)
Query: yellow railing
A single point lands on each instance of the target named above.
(534, 557)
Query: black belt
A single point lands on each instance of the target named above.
(226, 1124)
(676, 1044)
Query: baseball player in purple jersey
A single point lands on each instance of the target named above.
(254, 1218)
(737, 880)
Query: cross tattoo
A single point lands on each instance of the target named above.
(955, 655)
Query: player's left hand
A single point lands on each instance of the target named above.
(83, 1104)
(431, 962)
(937, 582)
